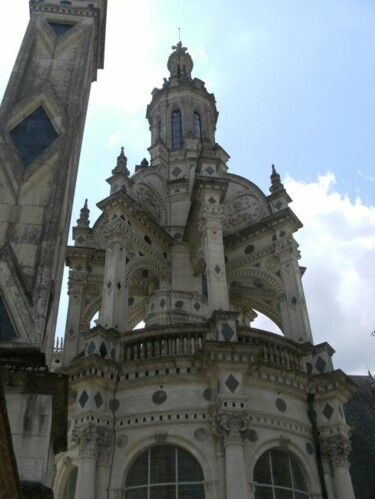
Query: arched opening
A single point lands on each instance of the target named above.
(94, 320)
(70, 484)
(264, 322)
(278, 474)
(164, 472)
(197, 126)
(176, 130)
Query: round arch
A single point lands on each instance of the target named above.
(307, 463)
(124, 460)
(165, 470)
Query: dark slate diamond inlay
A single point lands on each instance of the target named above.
(33, 135)
(328, 411)
(197, 306)
(103, 350)
(211, 200)
(210, 170)
(217, 269)
(6, 326)
(278, 205)
(162, 303)
(179, 304)
(227, 331)
(176, 171)
(130, 301)
(231, 383)
(320, 364)
(98, 399)
(83, 399)
(60, 28)
(294, 300)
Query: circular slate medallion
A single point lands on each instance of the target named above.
(251, 435)
(280, 404)
(122, 441)
(309, 448)
(201, 434)
(159, 397)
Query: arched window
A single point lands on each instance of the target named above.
(70, 484)
(159, 129)
(165, 472)
(197, 128)
(278, 474)
(176, 130)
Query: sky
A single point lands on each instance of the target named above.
(294, 82)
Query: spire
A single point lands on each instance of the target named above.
(121, 167)
(276, 184)
(180, 63)
(83, 220)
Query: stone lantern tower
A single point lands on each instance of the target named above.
(197, 403)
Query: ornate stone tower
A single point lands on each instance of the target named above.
(197, 404)
(42, 118)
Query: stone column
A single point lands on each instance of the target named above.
(231, 427)
(210, 224)
(295, 318)
(76, 285)
(103, 474)
(337, 448)
(220, 459)
(86, 480)
(114, 311)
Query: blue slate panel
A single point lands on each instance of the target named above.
(33, 135)
(60, 28)
(6, 326)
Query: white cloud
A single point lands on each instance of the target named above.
(338, 245)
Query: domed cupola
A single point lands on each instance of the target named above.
(180, 63)
(182, 114)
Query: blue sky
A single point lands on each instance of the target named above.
(294, 82)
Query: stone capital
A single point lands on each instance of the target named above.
(76, 282)
(230, 426)
(336, 449)
(87, 438)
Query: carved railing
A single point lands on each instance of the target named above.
(174, 342)
(163, 345)
(273, 348)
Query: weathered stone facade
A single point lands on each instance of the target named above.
(194, 252)
(42, 119)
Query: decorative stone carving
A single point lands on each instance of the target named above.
(231, 426)
(76, 282)
(336, 449)
(88, 441)
(104, 442)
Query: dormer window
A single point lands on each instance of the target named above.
(176, 130)
(197, 128)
